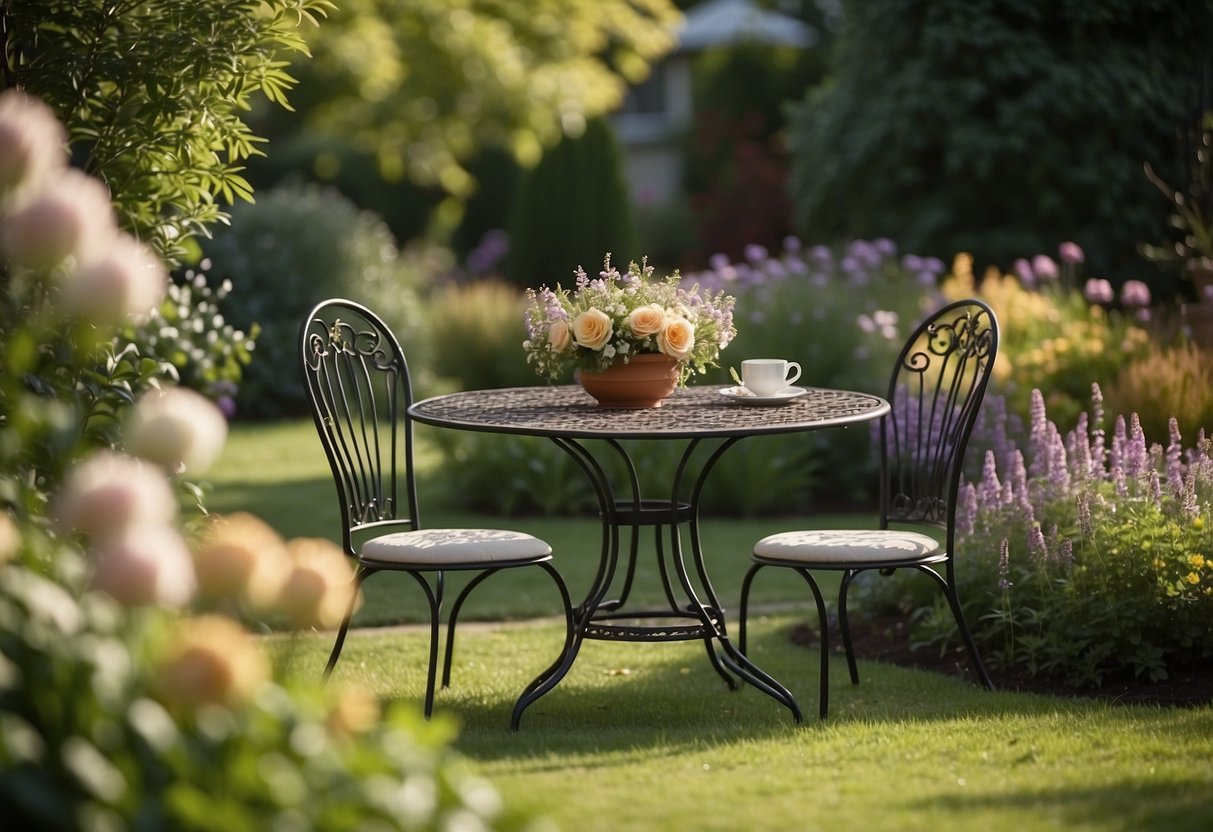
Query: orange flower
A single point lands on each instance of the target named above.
(320, 585)
(242, 557)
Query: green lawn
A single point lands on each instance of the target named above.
(645, 737)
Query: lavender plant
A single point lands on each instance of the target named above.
(1084, 555)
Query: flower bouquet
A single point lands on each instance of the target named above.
(617, 316)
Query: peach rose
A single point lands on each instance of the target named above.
(212, 660)
(559, 337)
(592, 329)
(355, 711)
(647, 320)
(320, 586)
(241, 556)
(677, 339)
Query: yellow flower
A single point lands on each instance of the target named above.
(592, 329)
(1192, 578)
(1196, 561)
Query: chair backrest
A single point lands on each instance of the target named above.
(357, 384)
(935, 391)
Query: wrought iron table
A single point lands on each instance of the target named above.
(696, 415)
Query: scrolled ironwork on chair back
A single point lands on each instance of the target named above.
(358, 384)
(935, 392)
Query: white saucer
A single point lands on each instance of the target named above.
(784, 396)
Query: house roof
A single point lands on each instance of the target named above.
(729, 22)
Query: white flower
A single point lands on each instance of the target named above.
(108, 494)
(126, 281)
(32, 144)
(177, 428)
(148, 565)
(71, 216)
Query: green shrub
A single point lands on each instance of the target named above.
(475, 335)
(569, 209)
(995, 128)
(188, 333)
(294, 247)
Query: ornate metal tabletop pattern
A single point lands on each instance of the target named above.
(569, 411)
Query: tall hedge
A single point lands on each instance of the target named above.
(1002, 127)
(570, 209)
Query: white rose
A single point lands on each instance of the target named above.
(177, 428)
(32, 143)
(592, 329)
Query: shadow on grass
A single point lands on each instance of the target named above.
(1130, 803)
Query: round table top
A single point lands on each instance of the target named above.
(694, 411)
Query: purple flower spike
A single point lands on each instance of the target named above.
(1023, 270)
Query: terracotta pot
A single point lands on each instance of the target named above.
(642, 382)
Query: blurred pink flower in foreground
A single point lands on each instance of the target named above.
(148, 565)
(108, 494)
(126, 281)
(32, 143)
(71, 216)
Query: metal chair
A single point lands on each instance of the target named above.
(357, 383)
(935, 392)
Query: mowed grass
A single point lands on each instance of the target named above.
(647, 737)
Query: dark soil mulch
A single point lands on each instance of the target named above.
(888, 640)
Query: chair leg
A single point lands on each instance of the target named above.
(744, 606)
(970, 645)
(434, 602)
(360, 575)
(824, 695)
(547, 680)
(452, 619)
(844, 626)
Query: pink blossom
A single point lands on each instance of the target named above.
(126, 281)
(1071, 253)
(1098, 290)
(32, 143)
(148, 565)
(1023, 270)
(71, 216)
(1135, 293)
(177, 428)
(1044, 268)
(108, 494)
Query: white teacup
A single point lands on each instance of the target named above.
(767, 376)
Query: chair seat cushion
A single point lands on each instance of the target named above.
(447, 546)
(847, 546)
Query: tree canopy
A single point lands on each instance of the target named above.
(423, 85)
